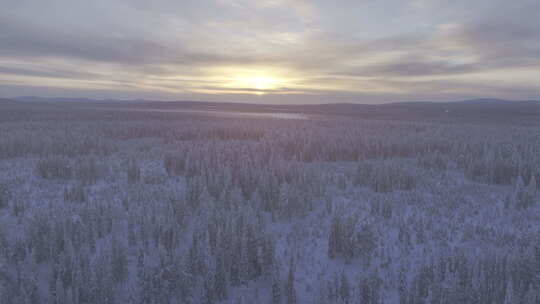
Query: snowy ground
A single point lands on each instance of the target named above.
(177, 209)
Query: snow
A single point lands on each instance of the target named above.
(256, 193)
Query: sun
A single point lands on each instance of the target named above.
(257, 82)
(250, 80)
(261, 82)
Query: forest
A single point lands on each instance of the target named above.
(115, 206)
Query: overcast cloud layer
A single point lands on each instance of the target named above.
(283, 51)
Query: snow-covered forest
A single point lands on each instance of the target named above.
(131, 207)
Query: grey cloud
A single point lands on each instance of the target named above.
(492, 44)
(416, 68)
(51, 73)
(136, 40)
(504, 42)
(322, 51)
(18, 40)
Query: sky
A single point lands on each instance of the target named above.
(271, 51)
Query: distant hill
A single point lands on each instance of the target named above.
(494, 111)
(498, 101)
(324, 105)
(486, 100)
(5, 100)
(71, 99)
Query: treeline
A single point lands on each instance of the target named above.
(484, 154)
(281, 211)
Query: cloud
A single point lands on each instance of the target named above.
(48, 73)
(498, 44)
(351, 48)
(20, 39)
(414, 67)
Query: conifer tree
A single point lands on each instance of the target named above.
(290, 289)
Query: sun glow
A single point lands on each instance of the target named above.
(259, 83)
(256, 80)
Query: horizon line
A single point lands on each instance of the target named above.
(90, 99)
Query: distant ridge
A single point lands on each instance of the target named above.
(487, 100)
(72, 99)
(496, 101)
(5, 100)
(483, 110)
(477, 101)
(82, 99)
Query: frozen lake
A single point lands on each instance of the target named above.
(231, 114)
